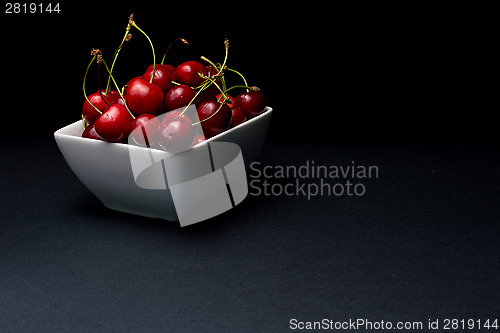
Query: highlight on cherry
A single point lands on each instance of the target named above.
(153, 108)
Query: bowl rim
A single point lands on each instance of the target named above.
(267, 111)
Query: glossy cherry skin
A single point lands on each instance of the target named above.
(89, 113)
(168, 67)
(218, 122)
(163, 76)
(238, 116)
(144, 97)
(90, 133)
(115, 97)
(144, 130)
(176, 134)
(125, 89)
(114, 124)
(252, 102)
(178, 96)
(187, 73)
(219, 98)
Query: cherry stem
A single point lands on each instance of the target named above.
(248, 88)
(126, 38)
(152, 48)
(221, 67)
(214, 83)
(220, 107)
(203, 87)
(222, 79)
(235, 71)
(85, 79)
(181, 39)
(207, 60)
(99, 82)
(226, 46)
(118, 89)
(192, 100)
(226, 99)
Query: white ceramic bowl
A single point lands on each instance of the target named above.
(105, 168)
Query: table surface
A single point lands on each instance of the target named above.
(420, 244)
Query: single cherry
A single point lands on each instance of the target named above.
(215, 117)
(90, 133)
(252, 102)
(238, 116)
(143, 130)
(178, 96)
(89, 113)
(114, 124)
(187, 73)
(163, 76)
(144, 97)
(176, 134)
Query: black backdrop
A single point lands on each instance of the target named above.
(421, 245)
(332, 73)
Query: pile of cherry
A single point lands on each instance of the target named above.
(135, 109)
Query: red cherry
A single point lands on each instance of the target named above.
(114, 96)
(187, 73)
(114, 124)
(90, 133)
(176, 113)
(125, 90)
(143, 130)
(89, 113)
(163, 76)
(218, 122)
(198, 138)
(238, 116)
(252, 102)
(190, 113)
(176, 134)
(144, 97)
(219, 98)
(168, 67)
(170, 114)
(178, 96)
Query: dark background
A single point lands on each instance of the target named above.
(410, 89)
(332, 73)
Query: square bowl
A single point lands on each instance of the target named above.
(105, 168)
